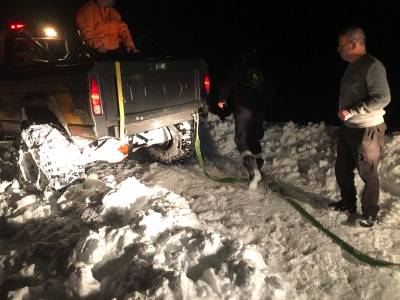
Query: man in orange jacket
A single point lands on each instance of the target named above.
(102, 29)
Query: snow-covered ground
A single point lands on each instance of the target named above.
(142, 230)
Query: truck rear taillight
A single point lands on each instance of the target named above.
(17, 26)
(207, 85)
(95, 99)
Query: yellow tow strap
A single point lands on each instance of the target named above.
(120, 101)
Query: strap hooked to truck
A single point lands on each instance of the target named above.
(124, 148)
(121, 107)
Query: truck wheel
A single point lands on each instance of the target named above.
(48, 158)
(179, 147)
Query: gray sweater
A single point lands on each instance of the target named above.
(364, 91)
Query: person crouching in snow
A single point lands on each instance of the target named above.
(246, 92)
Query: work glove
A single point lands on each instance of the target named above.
(222, 109)
(222, 104)
(132, 50)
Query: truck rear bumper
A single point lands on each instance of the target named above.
(156, 122)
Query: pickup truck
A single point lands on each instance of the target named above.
(39, 84)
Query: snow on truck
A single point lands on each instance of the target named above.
(45, 90)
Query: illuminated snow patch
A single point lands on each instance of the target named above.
(160, 249)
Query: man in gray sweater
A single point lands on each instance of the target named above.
(364, 92)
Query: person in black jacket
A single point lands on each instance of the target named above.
(246, 92)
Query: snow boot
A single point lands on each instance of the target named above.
(250, 164)
(342, 206)
(367, 221)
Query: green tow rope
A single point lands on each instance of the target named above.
(275, 188)
(344, 245)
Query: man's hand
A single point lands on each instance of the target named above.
(344, 115)
(222, 104)
(102, 49)
(132, 50)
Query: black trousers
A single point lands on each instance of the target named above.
(360, 148)
(116, 54)
(249, 130)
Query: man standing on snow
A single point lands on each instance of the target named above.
(364, 92)
(246, 92)
(101, 28)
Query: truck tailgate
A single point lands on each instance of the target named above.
(150, 86)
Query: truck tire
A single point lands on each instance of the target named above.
(179, 147)
(48, 158)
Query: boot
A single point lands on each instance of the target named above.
(250, 164)
(343, 206)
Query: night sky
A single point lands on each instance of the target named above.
(297, 41)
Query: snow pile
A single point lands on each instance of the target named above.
(153, 245)
(305, 155)
(219, 135)
(390, 166)
(61, 159)
(142, 230)
(101, 150)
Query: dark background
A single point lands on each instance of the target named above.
(297, 41)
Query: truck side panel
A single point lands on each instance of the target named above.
(63, 93)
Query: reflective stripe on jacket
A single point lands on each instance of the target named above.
(102, 26)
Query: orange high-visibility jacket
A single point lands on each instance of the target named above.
(102, 26)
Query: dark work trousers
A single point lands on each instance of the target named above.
(116, 54)
(360, 148)
(249, 130)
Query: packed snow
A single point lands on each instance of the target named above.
(138, 229)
